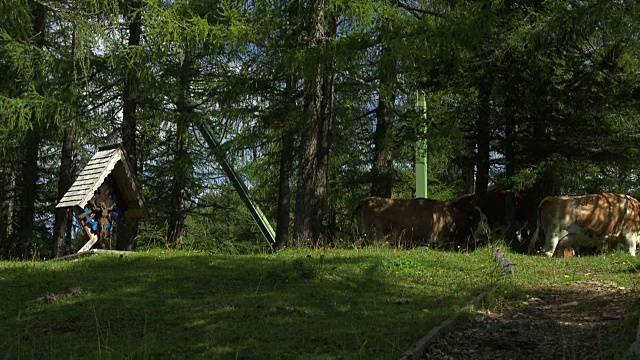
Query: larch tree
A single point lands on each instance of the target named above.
(31, 140)
(63, 216)
(288, 121)
(383, 137)
(181, 170)
(128, 229)
(306, 228)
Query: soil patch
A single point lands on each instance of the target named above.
(581, 320)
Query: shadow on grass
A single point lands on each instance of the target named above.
(341, 304)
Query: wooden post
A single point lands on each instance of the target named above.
(422, 188)
(92, 240)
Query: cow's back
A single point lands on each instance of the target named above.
(414, 220)
(602, 214)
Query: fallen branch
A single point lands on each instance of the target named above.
(91, 252)
(503, 261)
(417, 349)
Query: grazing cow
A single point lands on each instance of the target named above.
(420, 222)
(495, 210)
(588, 221)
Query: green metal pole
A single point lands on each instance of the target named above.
(238, 184)
(422, 189)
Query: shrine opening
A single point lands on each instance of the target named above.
(105, 191)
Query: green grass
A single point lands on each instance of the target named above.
(327, 304)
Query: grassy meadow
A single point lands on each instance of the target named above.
(317, 304)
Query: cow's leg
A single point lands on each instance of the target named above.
(399, 239)
(378, 234)
(367, 232)
(631, 241)
(553, 237)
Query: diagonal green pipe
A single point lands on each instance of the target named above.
(238, 184)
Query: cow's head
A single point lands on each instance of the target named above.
(479, 223)
(471, 224)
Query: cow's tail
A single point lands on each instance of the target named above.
(536, 234)
(356, 217)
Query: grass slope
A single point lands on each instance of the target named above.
(365, 303)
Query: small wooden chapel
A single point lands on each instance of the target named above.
(105, 192)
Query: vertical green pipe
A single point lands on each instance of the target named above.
(238, 184)
(422, 190)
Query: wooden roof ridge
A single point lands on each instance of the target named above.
(90, 178)
(101, 164)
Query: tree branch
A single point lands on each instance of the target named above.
(418, 12)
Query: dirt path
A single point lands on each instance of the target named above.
(577, 321)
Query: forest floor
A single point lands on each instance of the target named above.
(580, 320)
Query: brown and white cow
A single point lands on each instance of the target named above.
(420, 222)
(588, 221)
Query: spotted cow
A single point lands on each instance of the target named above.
(594, 221)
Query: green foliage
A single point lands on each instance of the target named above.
(222, 224)
(566, 74)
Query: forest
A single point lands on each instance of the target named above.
(316, 103)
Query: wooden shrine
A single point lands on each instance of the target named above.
(105, 191)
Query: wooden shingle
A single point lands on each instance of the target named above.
(109, 160)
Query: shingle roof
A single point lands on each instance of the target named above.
(109, 159)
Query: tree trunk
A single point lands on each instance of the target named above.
(28, 190)
(469, 170)
(322, 171)
(287, 145)
(181, 168)
(510, 170)
(61, 215)
(382, 170)
(308, 164)
(177, 213)
(8, 183)
(128, 229)
(284, 189)
(65, 181)
(482, 133)
(306, 204)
